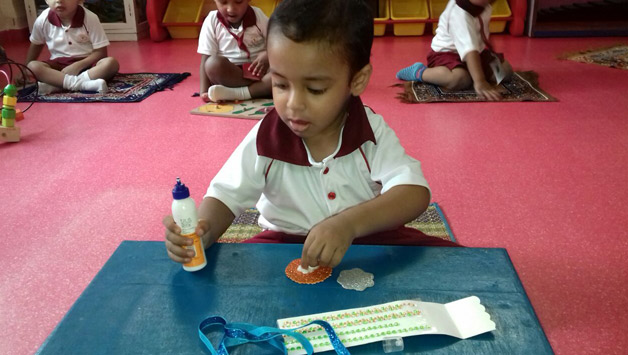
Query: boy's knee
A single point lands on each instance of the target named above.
(215, 68)
(110, 63)
(459, 80)
(34, 66)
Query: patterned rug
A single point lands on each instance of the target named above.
(613, 57)
(431, 222)
(523, 86)
(132, 87)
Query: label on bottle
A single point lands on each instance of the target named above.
(187, 224)
(197, 247)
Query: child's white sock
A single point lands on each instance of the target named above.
(99, 85)
(84, 75)
(223, 93)
(45, 89)
(72, 82)
(79, 83)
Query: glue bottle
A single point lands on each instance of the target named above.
(185, 216)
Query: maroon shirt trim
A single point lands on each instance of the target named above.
(275, 140)
(77, 20)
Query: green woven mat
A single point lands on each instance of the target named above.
(431, 222)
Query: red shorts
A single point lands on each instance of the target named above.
(452, 60)
(62, 62)
(401, 236)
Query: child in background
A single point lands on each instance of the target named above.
(78, 49)
(232, 38)
(323, 169)
(461, 54)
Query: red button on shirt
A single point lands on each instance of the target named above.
(326, 171)
(331, 195)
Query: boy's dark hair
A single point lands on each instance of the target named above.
(346, 25)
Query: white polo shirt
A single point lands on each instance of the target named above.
(79, 40)
(215, 39)
(273, 168)
(458, 31)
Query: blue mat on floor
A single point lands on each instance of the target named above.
(132, 87)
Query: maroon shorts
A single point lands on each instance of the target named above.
(62, 62)
(401, 236)
(452, 60)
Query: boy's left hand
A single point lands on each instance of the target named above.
(72, 69)
(260, 65)
(327, 243)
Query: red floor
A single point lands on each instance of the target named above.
(546, 181)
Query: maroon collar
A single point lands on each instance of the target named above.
(248, 20)
(472, 9)
(77, 20)
(276, 141)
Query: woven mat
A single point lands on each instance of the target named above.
(523, 86)
(122, 88)
(254, 109)
(613, 57)
(431, 222)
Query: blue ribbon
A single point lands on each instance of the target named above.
(241, 333)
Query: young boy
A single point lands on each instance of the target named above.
(233, 48)
(78, 49)
(461, 55)
(326, 170)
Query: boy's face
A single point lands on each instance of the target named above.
(311, 86)
(232, 10)
(64, 8)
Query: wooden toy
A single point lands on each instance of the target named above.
(8, 131)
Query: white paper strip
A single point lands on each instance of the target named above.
(356, 326)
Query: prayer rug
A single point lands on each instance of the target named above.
(431, 222)
(613, 57)
(523, 86)
(254, 109)
(132, 87)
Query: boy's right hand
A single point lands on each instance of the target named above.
(486, 90)
(175, 243)
(21, 80)
(205, 96)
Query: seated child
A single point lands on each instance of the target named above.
(323, 169)
(78, 49)
(232, 38)
(461, 54)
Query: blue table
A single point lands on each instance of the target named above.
(141, 302)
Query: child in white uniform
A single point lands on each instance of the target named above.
(232, 45)
(327, 171)
(461, 55)
(78, 49)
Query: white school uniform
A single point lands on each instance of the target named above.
(458, 31)
(78, 40)
(215, 39)
(273, 170)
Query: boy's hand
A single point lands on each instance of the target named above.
(327, 243)
(260, 65)
(72, 69)
(23, 80)
(205, 97)
(486, 90)
(175, 243)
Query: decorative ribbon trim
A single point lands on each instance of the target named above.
(241, 333)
